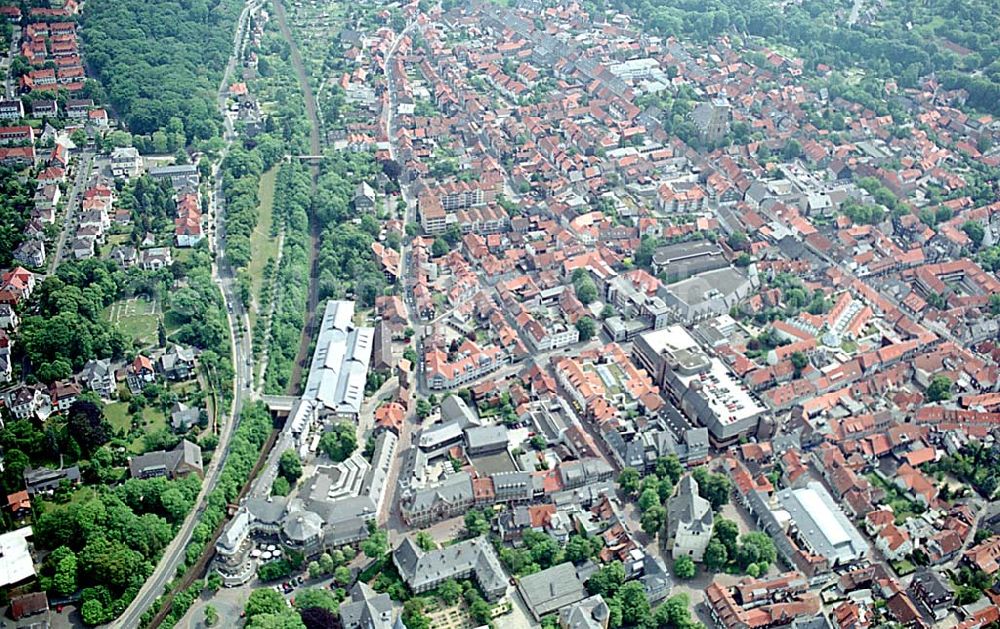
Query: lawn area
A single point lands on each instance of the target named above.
(262, 244)
(81, 494)
(137, 318)
(117, 414)
(183, 255)
(903, 567)
(153, 420)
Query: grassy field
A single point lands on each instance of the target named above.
(153, 419)
(117, 414)
(81, 494)
(137, 318)
(262, 244)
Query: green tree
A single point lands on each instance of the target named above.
(284, 619)
(607, 580)
(675, 613)
(413, 614)
(586, 289)
(342, 575)
(316, 597)
(755, 548)
(64, 580)
(652, 519)
(799, 362)
(377, 544)
(339, 442)
(727, 532)
(738, 241)
(939, 389)
(87, 425)
(975, 232)
(649, 498)
(716, 556)
(92, 612)
(669, 467)
(263, 601)
(586, 327)
(290, 466)
(634, 604)
(211, 616)
(684, 568)
(450, 591)
(280, 486)
(715, 488)
(792, 150)
(628, 480)
(578, 549)
(424, 541)
(481, 612)
(440, 247)
(476, 523)
(314, 569)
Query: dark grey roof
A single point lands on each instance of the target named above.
(186, 453)
(476, 555)
(590, 613)
(366, 609)
(454, 408)
(552, 589)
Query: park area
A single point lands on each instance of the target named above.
(137, 318)
(263, 245)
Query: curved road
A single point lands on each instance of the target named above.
(238, 321)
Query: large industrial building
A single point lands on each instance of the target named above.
(820, 525)
(333, 506)
(810, 531)
(702, 386)
(335, 387)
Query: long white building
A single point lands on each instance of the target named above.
(335, 388)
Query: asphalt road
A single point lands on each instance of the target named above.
(239, 336)
(83, 165)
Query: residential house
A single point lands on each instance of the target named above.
(19, 505)
(126, 162)
(177, 363)
(364, 198)
(62, 395)
(99, 377)
(182, 460)
(139, 373)
(156, 258)
(31, 253)
(44, 480)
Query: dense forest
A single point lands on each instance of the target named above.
(161, 62)
(15, 207)
(902, 40)
(346, 262)
(65, 327)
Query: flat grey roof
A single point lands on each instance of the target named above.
(821, 523)
(701, 288)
